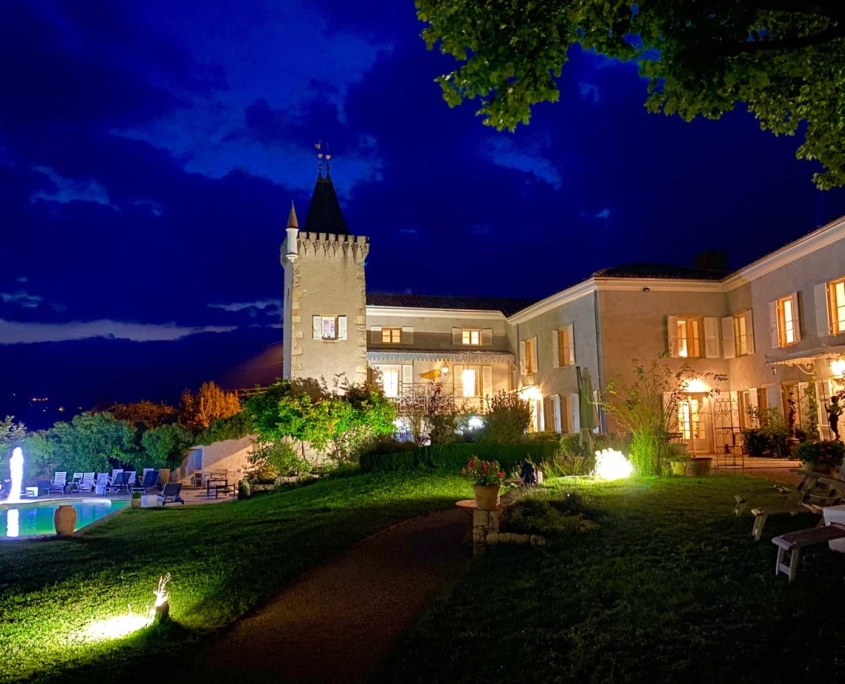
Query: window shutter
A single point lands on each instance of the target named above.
(672, 328)
(317, 327)
(773, 324)
(822, 310)
(822, 398)
(728, 339)
(575, 407)
(749, 330)
(522, 357)
(407, 377)
(456, 336)
(375, 335)
(555, 349)
(540, 408)
(556, 400)
(536, 366)
(487, 337)
(711, 337)
(570, 337)
(774, 397)
(407, 335)
(459, 381)
(753, 403)
(487, 381)
(735, 417)
(796, 316)
(341, 327)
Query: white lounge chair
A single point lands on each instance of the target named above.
(58, 483)
(87, 483)
(73, 486)
(102, 483)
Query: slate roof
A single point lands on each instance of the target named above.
(324, 213)
(660, 271)
(415, 301)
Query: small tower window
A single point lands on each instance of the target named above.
(329, 328)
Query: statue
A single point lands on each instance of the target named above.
(791, 414)
(16, 470)
(834, 410)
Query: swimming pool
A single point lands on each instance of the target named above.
(31, 519)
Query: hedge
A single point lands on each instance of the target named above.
(453, 457)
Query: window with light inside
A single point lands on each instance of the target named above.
(689, 337)
(787, 321)
(530, 355)
(391, 335)
(741, 333)
(329, 328)
(472, 337)
(836, 292)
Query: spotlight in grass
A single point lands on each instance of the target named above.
(612, 465)
(475, 423)
(121, 626)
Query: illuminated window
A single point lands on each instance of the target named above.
(836, 291)
(530, 355)
(741, 333)
(390, 382)
(564, 347)
(391, 335)
(689, 337)
(469, 382)
(329, 328)
(472, 337)
(689, 419)
(787, 321)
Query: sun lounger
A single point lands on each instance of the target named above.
(825, 492)
(101, 484)
(131, 479)
(58, 483)
(795, 541)
(119, 483)
(87, 483)
(170, 493)
(73, 486)
(149, 482)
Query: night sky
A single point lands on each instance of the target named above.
(149, 153)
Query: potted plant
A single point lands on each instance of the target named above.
(699, 466)
(820, 457)
(486, 479)
(678, 458)
(136, 499)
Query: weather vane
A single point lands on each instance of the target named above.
(320, 156)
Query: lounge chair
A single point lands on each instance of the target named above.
(115, 474)
(170, 494)
(150, 481)
(73, 486)
(58, 483)
(118, 483)
(86, 484)
(102, 483)
(131, 479)
(792, 495)
(825, 492)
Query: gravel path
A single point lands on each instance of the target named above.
(338, 622)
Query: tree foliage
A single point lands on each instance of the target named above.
(784, 59)
(507, 418)
(148, 413)
(209, 404)
(164, 446)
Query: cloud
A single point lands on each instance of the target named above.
(12, 332)
(504, 152)
(603, 214)
(24, 299)
(589, 91)
(22, 279)
(269, 304)
(69, 190)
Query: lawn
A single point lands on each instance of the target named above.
(224, 559)
(670, 587)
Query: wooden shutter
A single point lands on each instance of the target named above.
(753, 403)
(487, 337)
(822, 398)
(487, 381)
(555, 349)
(773, 324)
(728, 339)
(820, 297)
(672, 335)
(375, 335)
(341, 327)
(796, 316)
(407, 335)
(459, 381)
(556, 405)
(317, 327)
(522, 357)
(456, 336)
(575, 408)
(711, 337)
(570, 339)
(749, 330)
(535, 366)
(774, 397)
(407, 378)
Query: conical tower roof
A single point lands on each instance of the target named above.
(324, 213)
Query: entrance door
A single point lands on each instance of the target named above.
(693, 423)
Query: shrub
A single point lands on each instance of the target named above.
(537, 512)
(825, 453)
(507, 419)
(269, 460)
(453, 457)
(233, 427)
(164, 447)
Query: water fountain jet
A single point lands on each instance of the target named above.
(16, 469)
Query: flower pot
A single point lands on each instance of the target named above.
(486, 496)
(678, 467)
(136, 503)
(699, 467)
(64, 520)
(817, 468)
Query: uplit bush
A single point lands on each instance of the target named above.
(453, 457)
(507, 418)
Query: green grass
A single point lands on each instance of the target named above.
(669, 588)
(224, 559)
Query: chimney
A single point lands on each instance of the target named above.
(712, 260)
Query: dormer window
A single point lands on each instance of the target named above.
(471, 337)
(391, 335)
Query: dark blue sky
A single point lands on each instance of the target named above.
(149, 153)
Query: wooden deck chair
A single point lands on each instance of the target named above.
(792, 495)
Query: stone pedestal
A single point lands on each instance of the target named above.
(483, 523)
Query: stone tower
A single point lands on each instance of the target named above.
(325, 316)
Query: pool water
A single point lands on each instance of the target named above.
(29, 519)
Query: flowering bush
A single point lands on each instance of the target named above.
(483, 472)
(824, 453)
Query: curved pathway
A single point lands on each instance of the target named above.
(338, 622)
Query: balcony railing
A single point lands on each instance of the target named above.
(417, 398)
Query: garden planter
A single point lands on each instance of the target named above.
(699, 467)
(486, 496)
(678, 467)
(65, 520)
(136, 503)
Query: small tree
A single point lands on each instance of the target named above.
(164, 447)
(147, 413)
(508, 417)
(646, 405)
(210, 403)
